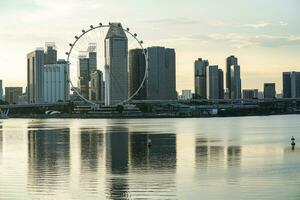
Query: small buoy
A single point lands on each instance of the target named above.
(293, 142)
(149, 143)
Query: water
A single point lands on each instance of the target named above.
(216, 158)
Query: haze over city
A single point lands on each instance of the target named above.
(264, 35)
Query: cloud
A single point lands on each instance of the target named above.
(172, 21)
(257, 25)
(241, 41)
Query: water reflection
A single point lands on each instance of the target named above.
(117, 162)
(91, 151)
(94, 159)
(212, 157)
(48, 160)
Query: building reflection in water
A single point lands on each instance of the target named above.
(91, 150)
(234, 154)
(160, 156)
(212, 160)
(154, 167)
(129, 153)
(48, 159)
(117, 162)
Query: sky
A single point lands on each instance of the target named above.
(263, 34)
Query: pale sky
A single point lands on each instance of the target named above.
(263, 34)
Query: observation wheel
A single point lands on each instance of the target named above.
(96, 35)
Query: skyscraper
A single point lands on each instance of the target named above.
(200, 68)
(56, 85)
(35, 75)
(286, 85)
(295, 85)
(269, 91)
(233, 78)
(87, 64)
(116, 62)
(213, 82)
(161, 82)
(92, 55)
(97, 87)
(221, 83)
(1, 90)
(291, 84)
(51, 53)
(137, 67)
(84, 74)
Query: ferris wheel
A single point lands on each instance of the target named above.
(95, 35)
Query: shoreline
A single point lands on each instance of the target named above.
(123, 116)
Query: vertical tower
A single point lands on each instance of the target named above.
(116, 72)
(213, 82)
(84, 74)
(295, 85)
(221, 83)
(233, 78)
(35, 76)
(200, 67)
(92, 55)
(286, 85)
(137, 67)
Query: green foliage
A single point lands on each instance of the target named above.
(120, 109)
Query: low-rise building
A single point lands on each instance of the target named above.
(269, 91)
(12, 94)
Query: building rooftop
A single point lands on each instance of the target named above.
(115, 31)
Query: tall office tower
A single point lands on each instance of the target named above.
(56, 85)
(235, 83)
(51, 53)
(295, 85)
(92, 55)
(286, 85)
(87, 64)
(269, 91)
(116, 63)
(12, 94)
(161, 83)
(291, 84)
(233, 78)
(137, 66)
(213, 82)
(97, 87)
(221, 83)
(84, 74)
(35, 76)
(1, 90)
(200, 67)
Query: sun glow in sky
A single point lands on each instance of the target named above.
(264, 35)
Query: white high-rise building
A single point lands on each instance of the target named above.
(56, 85)
(213, 82)
(116, 65)
(35, 76)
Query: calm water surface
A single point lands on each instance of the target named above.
(217, 158)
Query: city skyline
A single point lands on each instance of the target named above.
(266, 44)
